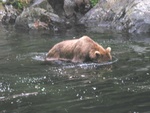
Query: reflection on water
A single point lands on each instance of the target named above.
(30, 85)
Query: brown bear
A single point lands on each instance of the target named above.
(83, 49)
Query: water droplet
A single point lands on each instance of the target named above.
(18, 101)
(90, 82)
(36, 87)
(94, 88)
(43, 89)
(70, 77)
(104, 78)
(52, 83)
(81, 98)
(82, 75)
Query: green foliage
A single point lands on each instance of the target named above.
(94, 2)
(18, 4)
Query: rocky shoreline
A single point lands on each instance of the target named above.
(131, 16)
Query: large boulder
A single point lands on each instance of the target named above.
(55, 15)
(42, 4)
(132, 16)
(38, 18)
(70, 10)
(57, 6)
(9, 16)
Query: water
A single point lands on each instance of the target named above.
(29, 85)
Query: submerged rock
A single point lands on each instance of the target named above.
(132, 16)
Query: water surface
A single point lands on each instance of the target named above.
(29, 85)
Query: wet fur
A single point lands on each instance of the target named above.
(79, 50)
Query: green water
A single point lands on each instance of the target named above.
(29, 85)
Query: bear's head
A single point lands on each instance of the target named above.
(101, 55)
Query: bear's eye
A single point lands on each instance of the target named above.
(99, 56)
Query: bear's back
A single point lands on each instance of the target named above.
(87, 41)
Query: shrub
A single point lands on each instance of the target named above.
(94, 2)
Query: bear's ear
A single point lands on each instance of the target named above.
(97, 53)
(108, 49)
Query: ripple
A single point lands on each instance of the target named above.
(41, 57)
(32, 56)
(18, 95)
(92, 65)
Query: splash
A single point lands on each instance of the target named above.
(38, 56)
(41, 57)
(92, 65)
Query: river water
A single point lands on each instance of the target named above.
(30, 85)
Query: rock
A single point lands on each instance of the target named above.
(57, 6)
(42, 4)
(2, 11)
(38, 18)
(73, 7)
(10, 15)
(53, 15)
(132, 16)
